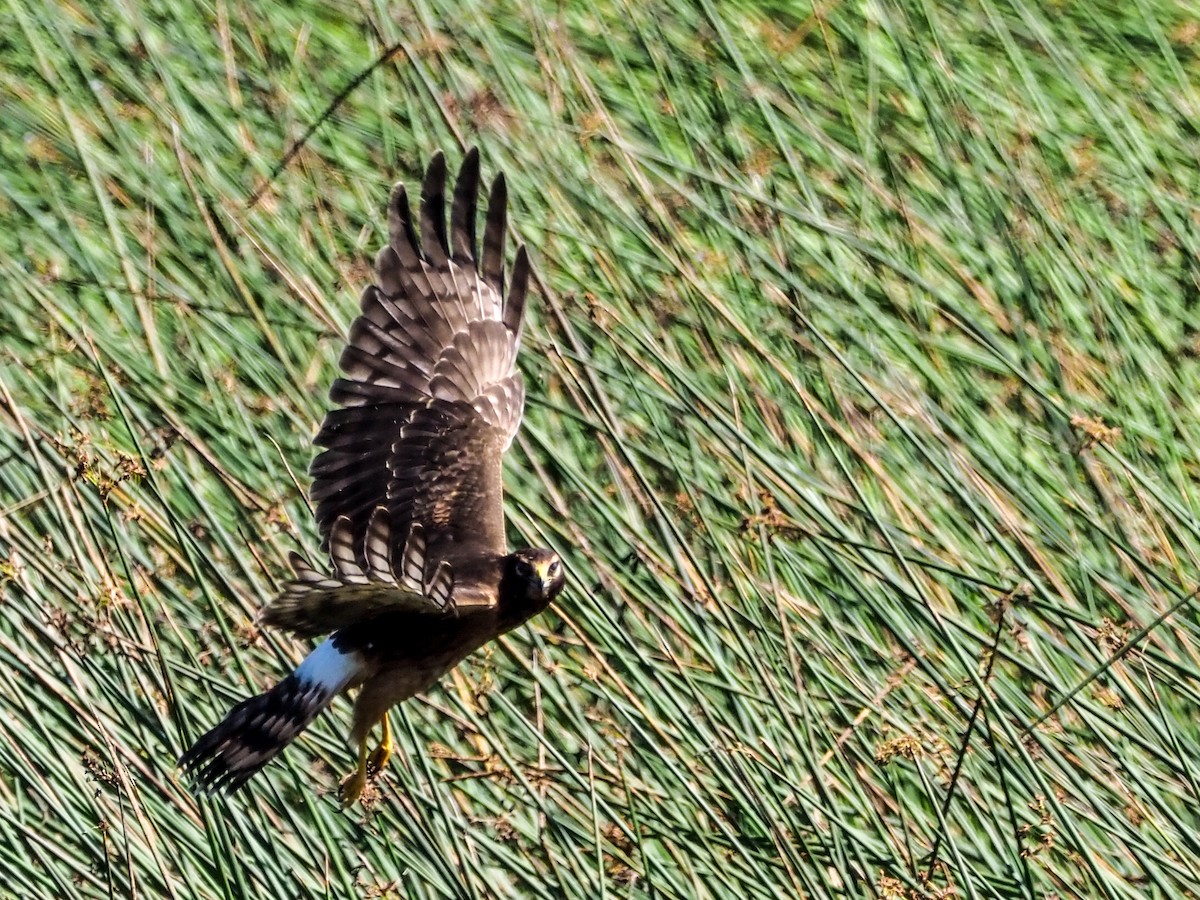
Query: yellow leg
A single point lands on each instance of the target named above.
(353, 784)
(381, 754)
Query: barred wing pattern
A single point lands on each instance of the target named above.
(431, 396)
(366, 582)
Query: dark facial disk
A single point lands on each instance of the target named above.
(535, 576)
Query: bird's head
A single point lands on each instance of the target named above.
(534, 576)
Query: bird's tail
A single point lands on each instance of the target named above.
(256, 730)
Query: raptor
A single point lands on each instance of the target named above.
(407, 491)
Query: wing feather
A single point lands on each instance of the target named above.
(462, 214)
(401, 232)
(433, 216)
(377, 547)
(514, 305)
(440, 588)
(341, 552)
(493, 236)
(412, 564)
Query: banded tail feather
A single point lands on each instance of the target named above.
(256, 730)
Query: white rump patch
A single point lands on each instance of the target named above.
(328, 667)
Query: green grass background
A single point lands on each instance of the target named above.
(864, 381)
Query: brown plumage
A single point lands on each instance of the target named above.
(408, 490)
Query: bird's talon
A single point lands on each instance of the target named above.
(352, 787)
(378, 760)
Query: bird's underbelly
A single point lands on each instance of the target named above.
(397, 682)
(397, 679)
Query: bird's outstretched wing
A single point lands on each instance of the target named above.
(429, 401)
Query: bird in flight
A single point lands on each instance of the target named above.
(408, 491)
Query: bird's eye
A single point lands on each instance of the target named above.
(524, 569)
(553, 569)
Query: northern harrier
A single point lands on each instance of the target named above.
(408, 491)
